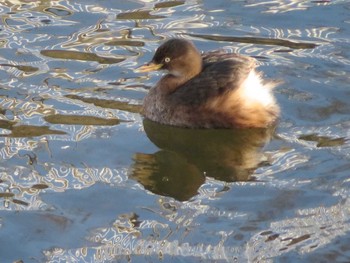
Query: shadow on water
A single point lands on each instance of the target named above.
(187, 156)
(257, 40)
(74, 55)
(26, 130)
(35, 131)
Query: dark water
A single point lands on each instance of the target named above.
(84, 179)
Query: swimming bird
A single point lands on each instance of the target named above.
(209, 90)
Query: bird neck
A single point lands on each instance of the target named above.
(183, 73)
(193, 65)
(169, 83)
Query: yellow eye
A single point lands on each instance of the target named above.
(167, 60)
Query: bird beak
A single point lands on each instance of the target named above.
(148, 67)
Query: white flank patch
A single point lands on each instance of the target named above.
(253, 90)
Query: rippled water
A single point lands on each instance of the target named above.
(84, 178)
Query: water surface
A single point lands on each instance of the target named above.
(83, 178)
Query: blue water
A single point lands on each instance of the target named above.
(77, 186)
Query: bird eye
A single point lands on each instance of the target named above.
(167, 60)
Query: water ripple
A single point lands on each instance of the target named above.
(311, 234)
(281, 6)
(23, 184)
(335, 138)
(68, 86)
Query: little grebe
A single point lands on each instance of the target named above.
(212, 90)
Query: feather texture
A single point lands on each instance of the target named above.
(227, 92)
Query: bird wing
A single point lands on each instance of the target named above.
(222, 72)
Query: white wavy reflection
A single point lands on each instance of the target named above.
(336, 137)
(146, 248)
(20, 187)
(35, 86)
(282, 160)
(309, 230)
(282, 6)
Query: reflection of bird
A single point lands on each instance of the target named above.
(213, 90)
(187, 156)
(167, 173)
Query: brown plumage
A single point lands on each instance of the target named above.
(212, 90)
